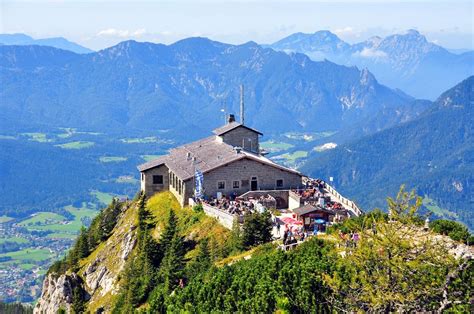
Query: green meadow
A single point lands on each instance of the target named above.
(150, 157)
(138, 140)
(292, 157)
(106, 159)
(61, 228)
(4, 219)
(42, 218)
(126, 180)
(7, 137)
(431, 205)
(76, 145)
(29, 255)
(308, 137)
(103, 197)
(18, 240)
(38, 137)
(275, 146)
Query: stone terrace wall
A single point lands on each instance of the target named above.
(226, 219)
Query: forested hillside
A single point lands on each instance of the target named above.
(154, 256)
(142, 87)
(433, 154)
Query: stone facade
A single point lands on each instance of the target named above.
(242, 137)
(147, 184)
(226, 169)
(243, 171)
(236, 177)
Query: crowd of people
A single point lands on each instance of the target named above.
(238, 206)
(315, 194)
(349, 239)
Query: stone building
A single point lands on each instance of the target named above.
(231, 163)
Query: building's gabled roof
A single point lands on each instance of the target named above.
(230, 126)
(308, 208)
(209, 154)
(153, 163)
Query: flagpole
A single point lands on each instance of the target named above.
(194, 179)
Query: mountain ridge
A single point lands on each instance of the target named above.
(130, 83)
(432, 153)
(404, 61)
(57, 42)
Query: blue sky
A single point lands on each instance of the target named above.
(99, 24)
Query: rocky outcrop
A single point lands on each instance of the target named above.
(98, 274)
(57, 293)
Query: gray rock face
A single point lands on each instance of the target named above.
(57, 293)
(128, 244)
(98, 277)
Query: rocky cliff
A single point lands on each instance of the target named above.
(98, 274)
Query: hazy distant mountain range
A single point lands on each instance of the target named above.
(143, 87)
(433, 153)
(406, 61)
(57, 42)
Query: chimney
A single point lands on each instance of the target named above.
(231, 118)
(242, 104)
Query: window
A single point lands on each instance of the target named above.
(236, 185)
(279, 183)
(158, 179)
(220, 185)
(143, 176)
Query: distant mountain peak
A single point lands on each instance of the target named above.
(56, 42)
(414, 32)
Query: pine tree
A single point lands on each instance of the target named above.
(204, 256)
(257, 229)
(78, 305)
(170, 231)
(396, 268)
(235, 240)
(173, 264)
(82, 245)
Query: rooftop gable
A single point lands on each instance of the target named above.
(205, 155)
(308, 208)
(152, 163)
(231, 126)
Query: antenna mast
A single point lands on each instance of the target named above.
(242, 104)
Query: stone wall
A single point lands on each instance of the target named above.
(187, 191)
(242, 137)
(146, 182)
(224, 218)
(294, 200)
(244, 170)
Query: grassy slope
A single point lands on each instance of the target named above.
(194, 226)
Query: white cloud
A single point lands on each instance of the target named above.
(348, 30)
(372, 53)
(113, 32)
(348, 33)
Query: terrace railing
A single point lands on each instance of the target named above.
(350, 204)
(225, 218)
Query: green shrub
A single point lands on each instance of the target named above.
(453, 229)
(198, 208)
